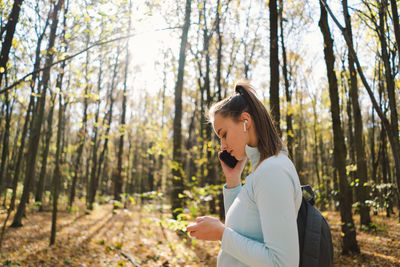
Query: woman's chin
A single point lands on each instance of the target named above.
(240, 157)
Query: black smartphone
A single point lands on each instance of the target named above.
(231, 161)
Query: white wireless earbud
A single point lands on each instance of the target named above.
(245, 126)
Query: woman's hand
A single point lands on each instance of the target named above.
(206, 228)
(232, 174)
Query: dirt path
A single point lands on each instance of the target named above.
(139, 235)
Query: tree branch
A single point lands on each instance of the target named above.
(98, 43)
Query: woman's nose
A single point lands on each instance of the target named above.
(223, 145)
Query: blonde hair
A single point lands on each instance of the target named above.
(245, 100)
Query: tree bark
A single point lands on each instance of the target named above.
(345, 199)
(177, 172)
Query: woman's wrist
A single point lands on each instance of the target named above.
(221, 233)
(231, 183)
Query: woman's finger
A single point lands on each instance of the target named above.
(199, 219)
(192, 227)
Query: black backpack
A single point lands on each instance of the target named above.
(315, 238)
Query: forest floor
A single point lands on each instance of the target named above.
(143, 236)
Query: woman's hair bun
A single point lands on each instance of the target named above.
(239, 89)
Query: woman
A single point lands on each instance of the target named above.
(260, 227)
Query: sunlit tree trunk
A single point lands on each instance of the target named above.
(345, 199)
(177, 172)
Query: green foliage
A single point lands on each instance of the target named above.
(11, 263)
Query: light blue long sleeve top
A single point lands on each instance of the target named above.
(261, 226)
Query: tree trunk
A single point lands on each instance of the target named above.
(35, 134)
(393, 133)
(93, 175)
(40, 184)
(4, 155)
(274, 65)
(27, 116)
(361, 189)
(289, 124)
(6, 44)
(82, 132)
(396, 26)
(120, 176)
(57, 176)
(57, 172)
(219, 51)
(177, 172)
(98, 175)
(348, 228)
(389, 127)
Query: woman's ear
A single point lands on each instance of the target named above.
(245, 116)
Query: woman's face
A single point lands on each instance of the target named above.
(232, 135)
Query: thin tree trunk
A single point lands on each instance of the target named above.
(4, 155)
(57, 176)
(82, 132)
(57, 172)
(274, 65)
(361, 189)
(390, 128)
(348, 228)
(177, 172)
(93, 174)
(120, 176)
(99, 173)
(6, 44)
(40, 183)
(289, 124)
(35, 134)
(396, 26)
(383, 8)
